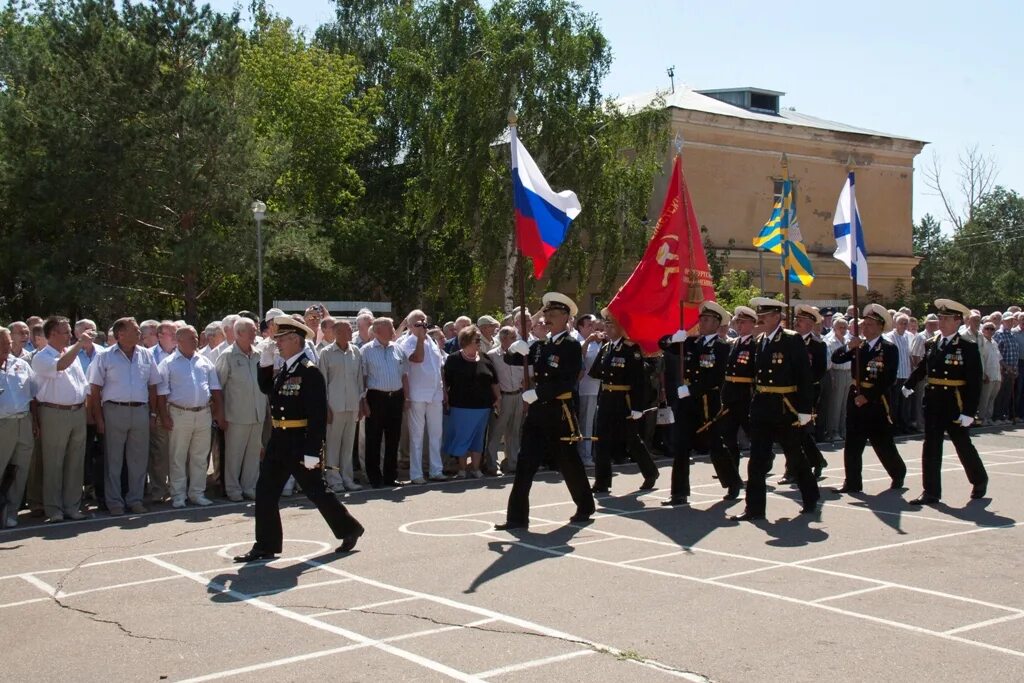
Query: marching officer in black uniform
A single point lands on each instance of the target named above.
(952, 366)
(867, 409)
(737, 390)
(781, 406)
(695, 401)
(806, 321)
(551, 427)
(298, 406)
(620, 368)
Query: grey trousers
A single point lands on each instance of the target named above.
(242, 444)
(839, 389)
(159, 463)
(16, 449)
(588, 412)
(505, 430)
(127, 443)
(63, 448)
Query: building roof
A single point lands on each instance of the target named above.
(689, 99)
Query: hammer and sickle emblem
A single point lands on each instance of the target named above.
(663, 257)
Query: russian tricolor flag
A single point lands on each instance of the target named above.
(542, 215)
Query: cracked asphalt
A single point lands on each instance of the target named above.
(869, 589)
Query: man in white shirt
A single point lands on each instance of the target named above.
(123, 383)
(425, 402)
(901, 338)
(506, 425)
(188, 383)
(488, 326)
(214, 333)
(61, 395)
(18, 425)
(593, 338)
(341, 365)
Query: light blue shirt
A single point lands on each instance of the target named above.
(86, 360)
(383, 366)
(187, 382)
(17, 386)
(159, 354)
(122, 379)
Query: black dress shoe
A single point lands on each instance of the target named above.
(349, 542)
(897, 484)
(600, 489)
(818, 469)
(925, 499)
(255, 555)
(508, 526)
(979, 491)
(846, 488)
(674, 501)
(748, 517)
(809, 508)
(391, 484)
(580, 518)
(648, 483)
(733, 493)
(787, 480)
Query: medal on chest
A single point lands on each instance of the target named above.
(552, 361)
(291, 387)
(707, 360)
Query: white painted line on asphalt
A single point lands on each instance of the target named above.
(326, 653)
(357, 608)
(767, 594)
(533, 663)
(498, 616)
(291, 589)
(303, 619)
(987, 622)
(577, 544)
(40, 584)
(659, 556)
(848, 594)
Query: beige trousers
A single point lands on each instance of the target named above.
(242, 444)
(16, 444)
(63, 450)
(190, 451)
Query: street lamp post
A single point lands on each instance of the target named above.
(259, 210)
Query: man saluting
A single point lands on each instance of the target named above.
(298, 405)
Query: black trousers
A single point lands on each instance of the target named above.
(617, 436)
(763, 434)
(691, 413)
(725, 445)
(384, 422)
(279, 463)
(545, 425)
(870, 422)
(936, 425)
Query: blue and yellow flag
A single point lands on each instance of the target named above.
(781, 235)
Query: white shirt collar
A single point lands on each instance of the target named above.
(745, 338)
(774, 332)
(872, 342)
(291, 362)
(556, 337)
(709, 337)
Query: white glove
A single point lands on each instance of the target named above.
(635, 415)
(679, 336)
(906, 392)
(803, 418)
(310, 462)
(966, 420)
(520, 347)
(530, 395)
(267, 353)
(683, 391)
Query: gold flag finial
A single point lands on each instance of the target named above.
(512, 117)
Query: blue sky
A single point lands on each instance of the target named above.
(946, 72)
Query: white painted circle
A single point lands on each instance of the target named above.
(450, 523)
(226, 553)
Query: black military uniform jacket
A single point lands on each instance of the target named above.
(739, 365)
(704, 370)
(817, 355)
(298, 392)
(954, 376)
(621, 364)
(783, 362)
(877, 367)
(557, 362)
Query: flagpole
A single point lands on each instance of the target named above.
(512, 120)
(853, 278)
(689, 257)
(785, 241)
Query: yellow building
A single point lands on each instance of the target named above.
(733, 141)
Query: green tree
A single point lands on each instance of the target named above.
(930, 274)
(437, 214)
(985, 255)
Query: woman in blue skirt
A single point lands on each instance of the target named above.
(471, 391)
